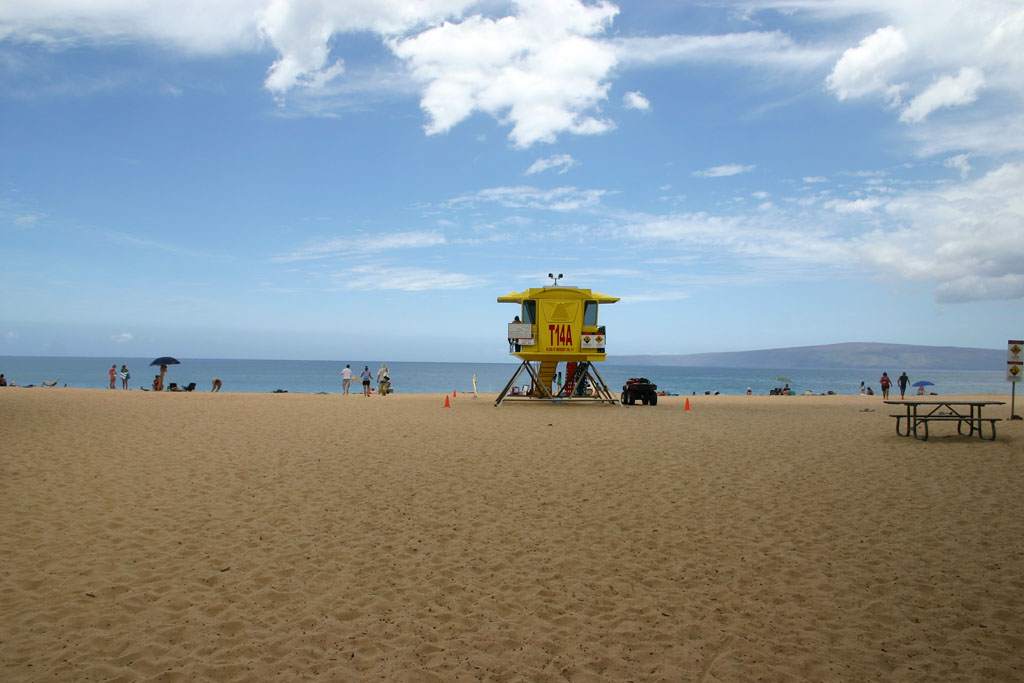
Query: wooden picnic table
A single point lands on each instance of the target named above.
(920, 413)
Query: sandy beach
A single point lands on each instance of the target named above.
(240, 537)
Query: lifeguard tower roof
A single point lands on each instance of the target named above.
(556, 291)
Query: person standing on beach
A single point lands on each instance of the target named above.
(383, 378)
(886, 383)
(367, 377)
(125, 376)
(113, 376)
(346, 379)
(902, 381)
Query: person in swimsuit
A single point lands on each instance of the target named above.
(367, 377)
(886, 383)
(902, 382)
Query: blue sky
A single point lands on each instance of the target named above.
(361, 180)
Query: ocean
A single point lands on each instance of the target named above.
(261, 376)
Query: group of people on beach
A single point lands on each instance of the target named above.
(885, 382)
(383, 379)
(158, 380)
(123, 374)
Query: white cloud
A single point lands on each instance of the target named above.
(27, 221)
(853, 205)
(122, 338)
(302, 31)
(865, 69)
(541, 70)
(935, 54)
(965, 238)
(340, 246)
(563, 162)
(524, 196)
(772, 49)
(405, 279)
(959, 162)
(636, 100)
(724, 170)
(194, 26)
(815, 179)
(948, 91)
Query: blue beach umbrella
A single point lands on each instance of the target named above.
(923, 383)
(166, 360)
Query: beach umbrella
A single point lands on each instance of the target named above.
(166, 360)
(923, 383)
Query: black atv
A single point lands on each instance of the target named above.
(639, 389)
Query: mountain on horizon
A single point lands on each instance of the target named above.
(896, 357)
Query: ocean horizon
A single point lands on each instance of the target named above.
(324, 376)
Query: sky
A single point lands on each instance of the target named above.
(361, 179)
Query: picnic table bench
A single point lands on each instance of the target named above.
(919, 413)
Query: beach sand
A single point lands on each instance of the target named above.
(239, 537)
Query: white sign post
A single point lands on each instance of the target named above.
(1014, 370)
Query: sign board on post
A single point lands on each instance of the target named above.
(1014, 370)
(1015, 360)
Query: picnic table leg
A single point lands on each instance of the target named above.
(922, 422)
(906, 417)
(981, 434)
(898, 418)
(973, 423)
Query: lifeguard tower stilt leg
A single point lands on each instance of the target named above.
(585, 372)
(538, 386)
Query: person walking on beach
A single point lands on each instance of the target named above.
(367, 377)
(125, 376)
(346, 379)
(383, 379)
(902, 381)
(885, 382)
(113, 376)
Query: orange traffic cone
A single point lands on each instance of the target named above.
(455, 392)
(687, 404)
(446, 403)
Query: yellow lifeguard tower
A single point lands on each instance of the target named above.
(557, 324)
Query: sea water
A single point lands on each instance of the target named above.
(260, 376)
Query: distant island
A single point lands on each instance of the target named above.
(894, 357)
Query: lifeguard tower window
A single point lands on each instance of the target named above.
(529, 312)
(590, 313)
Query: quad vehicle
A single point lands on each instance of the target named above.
(639, 389)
